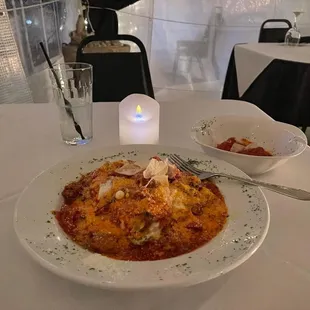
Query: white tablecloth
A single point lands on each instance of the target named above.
(251, 59)
(276, 277)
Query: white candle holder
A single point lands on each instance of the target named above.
(138, 120)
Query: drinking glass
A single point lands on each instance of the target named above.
(293, 36)
(73, 96)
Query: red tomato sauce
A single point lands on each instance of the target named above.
(255, 151)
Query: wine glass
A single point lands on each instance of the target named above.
(293, 36)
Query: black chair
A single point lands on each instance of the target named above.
(273, 35)
(117, 75)
(305, 40)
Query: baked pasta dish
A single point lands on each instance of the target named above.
(129, 212)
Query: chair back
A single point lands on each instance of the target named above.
(117, 74)
(305, 40)
(274, 35)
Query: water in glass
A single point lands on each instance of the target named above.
(74, 100)
(82, 112)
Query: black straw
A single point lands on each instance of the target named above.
(67, 103)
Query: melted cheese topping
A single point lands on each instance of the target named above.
(119, 216)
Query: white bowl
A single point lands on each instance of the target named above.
(271, 135)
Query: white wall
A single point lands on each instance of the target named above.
(73, 9)
(40, 84)
(160, 24)
(32, 22)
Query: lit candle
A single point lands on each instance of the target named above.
(138, 120)
(139, 112)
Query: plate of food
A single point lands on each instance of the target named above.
(125, 218)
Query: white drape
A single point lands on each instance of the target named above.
(13, 83)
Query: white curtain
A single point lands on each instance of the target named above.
(13, 83)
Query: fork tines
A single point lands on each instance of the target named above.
(183, 165)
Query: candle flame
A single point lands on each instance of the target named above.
(138, 110)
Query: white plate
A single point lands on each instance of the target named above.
(45, 241)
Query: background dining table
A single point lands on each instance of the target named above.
(276, 277)
(274, 77)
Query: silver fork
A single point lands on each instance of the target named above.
(204, 175)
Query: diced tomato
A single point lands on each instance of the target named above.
(258, 151)
(157, 158)
(226, 145)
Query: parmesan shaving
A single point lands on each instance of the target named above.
(129, 169)
(155, 168)
(172, 169)
(104, 188)
(161, 179)
(252, 145)
(236, 147)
